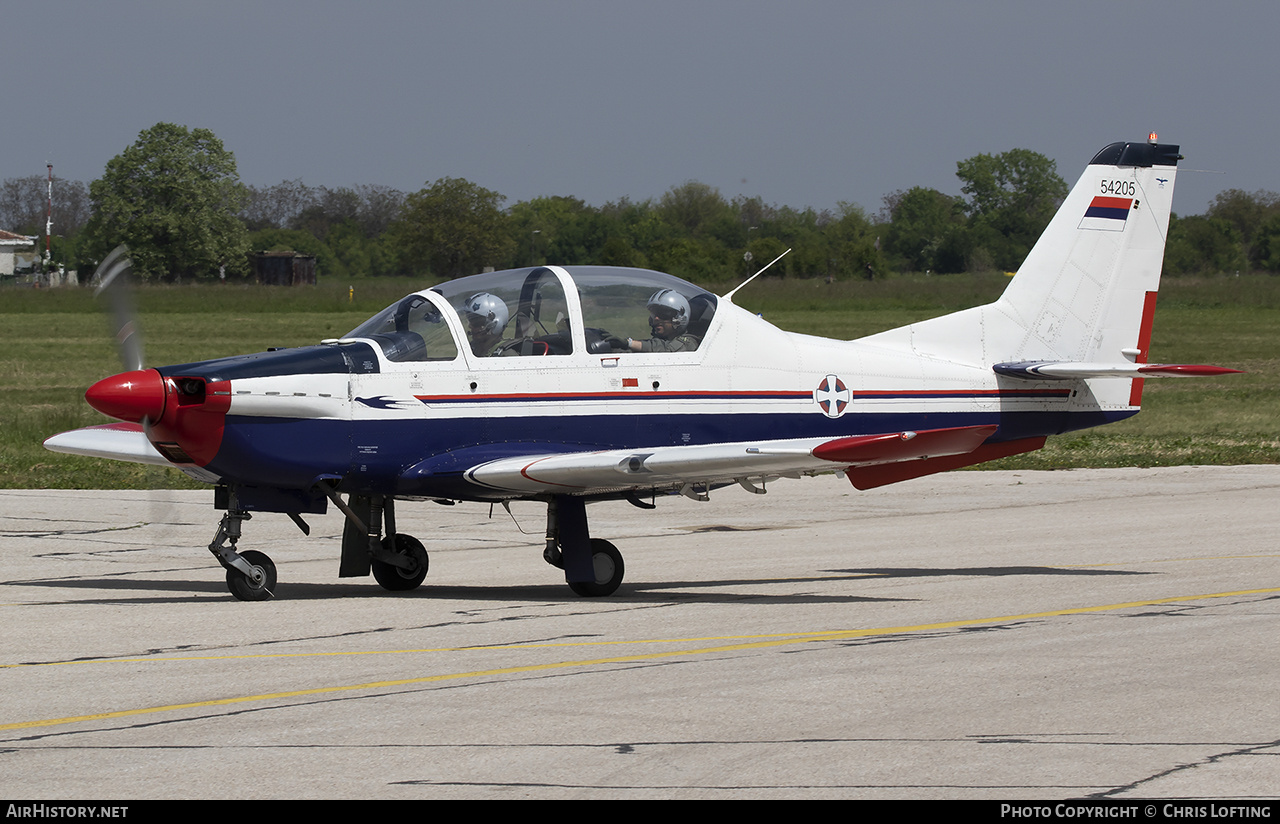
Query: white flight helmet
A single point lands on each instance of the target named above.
(486, 312)
(669, 304)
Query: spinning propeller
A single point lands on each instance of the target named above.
(182, 416)
(112, 279)
(137, 394)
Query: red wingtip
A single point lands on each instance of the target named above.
(1190, 370)
(129, 396)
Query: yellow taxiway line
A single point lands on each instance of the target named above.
(737, 643)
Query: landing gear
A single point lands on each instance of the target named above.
(257, 586)
(398, 561)
(251, 576)
(402, 576)
(606, 561)
(592, 567)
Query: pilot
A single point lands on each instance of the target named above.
(669, 322)
(486, 316)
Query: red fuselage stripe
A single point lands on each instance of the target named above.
(712, 395)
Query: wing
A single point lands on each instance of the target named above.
(117, 441)
(864, 458)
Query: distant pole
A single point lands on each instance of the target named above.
(48, 221)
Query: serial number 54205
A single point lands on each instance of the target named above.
(1122, 188)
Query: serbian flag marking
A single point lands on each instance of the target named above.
(1107, 213)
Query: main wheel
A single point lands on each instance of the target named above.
(607, 562)
(393, 578)
(243, 587)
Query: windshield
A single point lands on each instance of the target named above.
(411, 329)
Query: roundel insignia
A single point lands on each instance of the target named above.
(832, 396)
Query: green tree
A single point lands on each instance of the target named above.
(1246, 213)
(700, 262)
(924, 231)
(174, 197)
(801, 230)
(695, 207)
(852, 244)
(617, 252)
(1019, 179)
(557, 229)
(452, 228)
(1202, 245)
(637, 224)
(1267, 243)
(1012, 197)
(763, 249)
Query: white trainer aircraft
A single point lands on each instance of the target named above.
(581, 383)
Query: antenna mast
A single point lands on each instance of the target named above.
(48, 222)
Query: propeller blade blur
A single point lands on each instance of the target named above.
(112, 279)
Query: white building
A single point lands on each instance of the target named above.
(16, 251)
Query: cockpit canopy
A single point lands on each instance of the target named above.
(551, 311)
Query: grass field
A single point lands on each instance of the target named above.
(57, 344)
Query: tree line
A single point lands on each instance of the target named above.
(175, 197)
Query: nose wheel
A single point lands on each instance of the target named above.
(258, 584)
(251, 575)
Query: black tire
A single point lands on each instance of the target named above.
(395, 579)
(607, 561)
(244, 588)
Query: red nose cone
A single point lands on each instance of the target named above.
(129, 396)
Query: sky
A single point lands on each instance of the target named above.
(801, 103)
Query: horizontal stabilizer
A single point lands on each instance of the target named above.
(1065, 370)
(117, 441)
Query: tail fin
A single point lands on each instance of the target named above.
(1086, 292)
